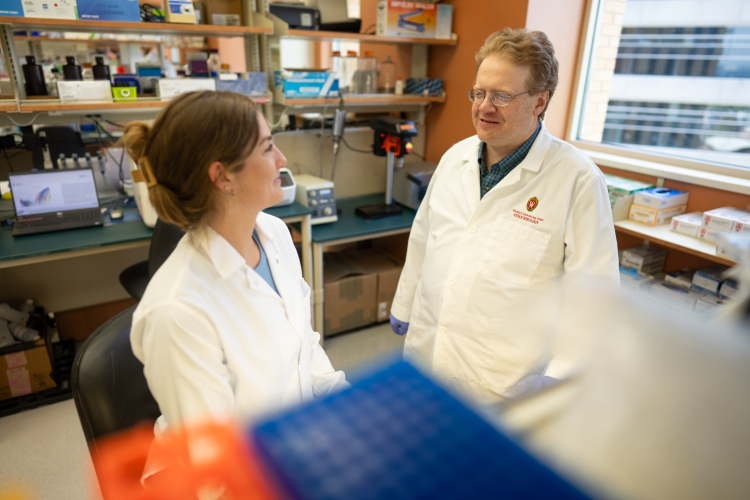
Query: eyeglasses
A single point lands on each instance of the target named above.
(497, 98)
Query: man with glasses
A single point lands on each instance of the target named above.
(509, 213)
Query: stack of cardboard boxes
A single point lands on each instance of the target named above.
(359, 287)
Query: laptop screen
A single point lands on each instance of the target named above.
(53, 191)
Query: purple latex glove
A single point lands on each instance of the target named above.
(544, 382)
(399, 327)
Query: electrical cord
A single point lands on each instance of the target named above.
(354, 149)
(367, 31)
(121, 175)
(5, 153)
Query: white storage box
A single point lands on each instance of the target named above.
(682, 278)
(172, 87)
(709, 279)
(728, 289)
(632, 278)
(671, 294)
(644, 258)
(687, 224)
(85, 90)
(709, 304)
(709, 235)
(660, 198)
(654, 216)
(742, 225)
(723, 219)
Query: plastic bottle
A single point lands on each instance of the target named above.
(53, 81)
(72, 71)
(367, 74)
(399, 88)
(214, 63)
(61, 161)
(101, 70)
(388, 75)
(5, 337)
(27, 306)
(34, 77)
(87, 73)
(76, 164)
(348, 73)
(13, 315)
(225, 69)
(23, 333)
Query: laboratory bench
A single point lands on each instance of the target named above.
(348, 229)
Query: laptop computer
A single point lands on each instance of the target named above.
(54, 200)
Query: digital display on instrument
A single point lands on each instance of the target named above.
(286, 179)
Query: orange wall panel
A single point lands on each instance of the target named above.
(473, 22)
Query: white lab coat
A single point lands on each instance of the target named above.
(475, 269)
(217, 342)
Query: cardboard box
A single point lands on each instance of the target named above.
(59, 9)
(223, 12)
(742, 225)
(682, 278)
(709, 304)
(358, 288)
(82, 90)
(307, 83)
(632, 278)
(644, 258)
(620, 187)
(654, 216)
(110, 10)
(25, 369)
(687, 224)
(723, 219)
(728, 289)
(349, 295)
(12, 8)
(671, 294)
(709, 280)
(708, 234)
(172, 87)
(414, 19)
(660, 198)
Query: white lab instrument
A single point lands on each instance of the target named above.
(317, 194)
(288, 186)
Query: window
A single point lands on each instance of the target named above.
(669, 78)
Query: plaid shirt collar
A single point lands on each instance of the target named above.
(499, 170)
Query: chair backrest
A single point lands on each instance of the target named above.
(163, 241)
(109, 388)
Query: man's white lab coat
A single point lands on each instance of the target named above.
(476, 271)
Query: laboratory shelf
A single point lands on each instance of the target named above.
(55, 105)
(327, 36)
(89, 41)
(8, 105)
(662, 235)
(78, 25)
(372, 99)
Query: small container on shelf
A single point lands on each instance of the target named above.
(71, 70)
(34, 78)
(87, 73)
(687, 224)
(101, 70)
(399, 88)
(367, 74)
(387, 75)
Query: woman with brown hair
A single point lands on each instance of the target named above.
(223, 329)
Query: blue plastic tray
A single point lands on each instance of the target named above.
(397, 435)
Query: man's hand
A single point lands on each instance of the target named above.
(399, 327)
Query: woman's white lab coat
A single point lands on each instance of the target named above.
(217, 342)
(475, 271)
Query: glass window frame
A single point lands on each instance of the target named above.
(592, 21)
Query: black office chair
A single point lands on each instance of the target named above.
(163, 241)
(109, 388)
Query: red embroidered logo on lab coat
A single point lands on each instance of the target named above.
(532, 204)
